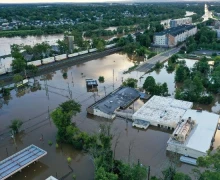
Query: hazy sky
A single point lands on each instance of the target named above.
(83, 1)
(47, 1)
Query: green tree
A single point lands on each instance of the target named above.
(101, 174)
(15, 125)
(17, 78)
(130, 82)
(149, 84)
(181, 73)
(152, 54)
(63, 46)
(101, 79)
(18, 65)
(62, 118)
(100, 46)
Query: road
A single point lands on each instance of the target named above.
(150, 63)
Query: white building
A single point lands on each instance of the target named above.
(162, 111)
(171, 37)
(181, 21)
(194, 134)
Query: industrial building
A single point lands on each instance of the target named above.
(121, 98)
(181, 21)
(162, 111)
(194, 134)
(172, 36)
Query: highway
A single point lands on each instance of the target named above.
(150, 63)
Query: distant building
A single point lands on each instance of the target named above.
(70, 42)
(194, 134)
(179, 22)
(165, 23)
(217, 24)
(171, 37)
(218, 33)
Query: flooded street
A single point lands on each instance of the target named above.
(31, 106)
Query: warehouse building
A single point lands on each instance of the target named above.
(194, 134)
(121, 98)
(171, 37)
(181, 21)
(162, 111)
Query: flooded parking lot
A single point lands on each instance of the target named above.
(31, 105)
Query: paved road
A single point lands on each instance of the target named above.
(150, 63)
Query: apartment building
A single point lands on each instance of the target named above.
(171, 37)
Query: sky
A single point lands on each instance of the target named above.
(84, 1)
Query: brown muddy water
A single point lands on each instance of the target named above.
(31, 105)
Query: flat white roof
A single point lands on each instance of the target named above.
(201, 136)
(51, 178)
(163, 110)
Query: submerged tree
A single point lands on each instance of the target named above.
(15, 125)
(101, 79)
(130, 82)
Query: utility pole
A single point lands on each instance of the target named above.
(72, 78)
(49, 115)
(94, 95)
(70, 92)
(133, 107)
(46, 88)
(105, 90)
(113, 79)
(148, 174)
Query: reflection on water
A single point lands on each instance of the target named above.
(32, 103)
(5, 43)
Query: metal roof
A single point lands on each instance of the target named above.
(20, 160)
(120, 98)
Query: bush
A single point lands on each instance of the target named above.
(65, 75)
(101, 79)
(206, 99)
(158, 65)
(50, 143)
(6, 92)
(69, 159)
(152, 54)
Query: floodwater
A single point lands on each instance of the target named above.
(189, 13)
(31, 105)
(29, 40)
